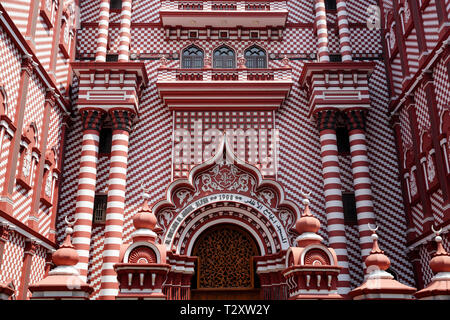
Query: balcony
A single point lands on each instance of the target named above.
(337, 85)
(223, 14)
(206, 89)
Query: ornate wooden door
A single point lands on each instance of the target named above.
(225, 264)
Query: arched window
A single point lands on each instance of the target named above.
(255, 57)
(224, 57)
(192, 57)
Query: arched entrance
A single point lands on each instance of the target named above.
(225, 268)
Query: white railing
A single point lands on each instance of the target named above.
(210, 75)
(248, 5)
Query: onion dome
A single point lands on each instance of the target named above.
(441, 259)
(307, 226)
(377, 259)
(64, 281)
(66, 255)
(378, 283)
(307, 222)
(439, 287)
(144, 222)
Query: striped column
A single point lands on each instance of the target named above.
(102, 36)
(361, 178)
(125, 35)
(122, 122)
(344, 31)
(334, 208)
(92, 121)
(322, 32)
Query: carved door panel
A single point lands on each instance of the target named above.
(225, 264)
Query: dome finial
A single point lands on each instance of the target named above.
(441, 259)
(144, 220)
(307, 224)
(66, 255)
(376, 258)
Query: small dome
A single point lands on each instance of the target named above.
(441, 259)
(66, 255)
(145, 218)
(307, 222)
(377, 257)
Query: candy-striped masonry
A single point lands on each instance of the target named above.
(125, 34)
(122, 122)
(322, 32)
(344, 32)
(334, 208)
(92, 121)
(102, 36)
(361, 178)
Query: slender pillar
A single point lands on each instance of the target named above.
(443, 16)
(125, 35)
(32, 20)
(5, 231)
(435, 134)
(33, 219)
(102, 37)
(26, 72)
(334, 207)
(416, 16)
(361, 178)
(122, 122)
(30, 250)
(92, 121)
(410, 232)
(322, 32)
(344, 31)
(424, 198)
(55, 46)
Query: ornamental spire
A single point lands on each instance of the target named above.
(307, 225)
(379, 284)
(441, 259)
(439, 287)
(66, 255)
(376, 260)
(144, 221)
(64, 281)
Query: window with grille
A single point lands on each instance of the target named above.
(255, 57)
(192, 57)
(105, 142)
(349, 203)
(342, 140)
(335, 58)
(100, 201)
(112, 57)
(330, 4)
(116, 4)
(224, 57)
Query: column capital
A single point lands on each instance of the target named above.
(31, 246)
(92, 119)
(51, 96)
(326, 119)
(5, 231)
(28, 64)
(355, 119)
(122, 119)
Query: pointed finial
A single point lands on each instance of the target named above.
(441, 259)
(66, 255)
(376, 259)
(144, 220)
(307, 224)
